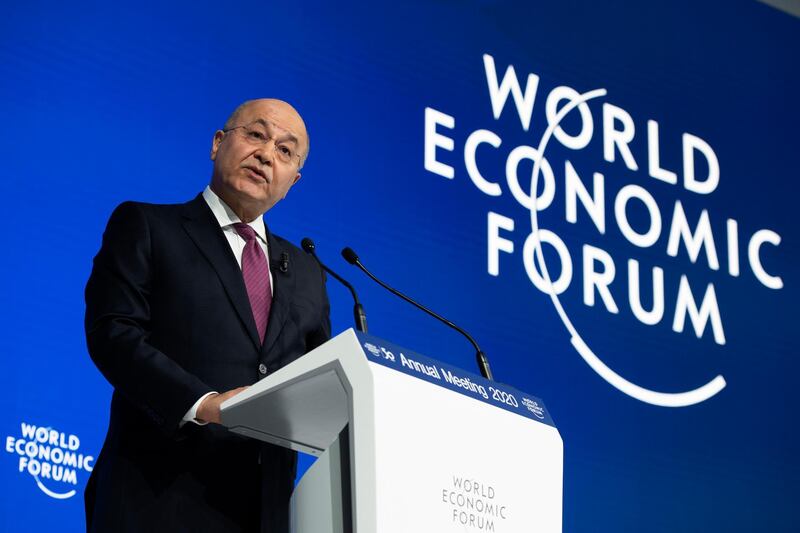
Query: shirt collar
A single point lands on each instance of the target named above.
(226, 217)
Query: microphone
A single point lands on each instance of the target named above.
(483, 363)
(358, 310)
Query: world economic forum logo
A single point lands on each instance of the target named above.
(662, 224)
(534, 407)
(371, 348)
(379, 351)
(52, 458)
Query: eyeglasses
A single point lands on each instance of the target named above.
(256, 135)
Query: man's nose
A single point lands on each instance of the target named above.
(266, 153)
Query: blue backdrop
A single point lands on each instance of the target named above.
(107, 102)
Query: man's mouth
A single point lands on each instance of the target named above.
(258, 172)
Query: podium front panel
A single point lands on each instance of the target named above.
(449, 463)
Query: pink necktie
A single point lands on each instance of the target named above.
(255, 271)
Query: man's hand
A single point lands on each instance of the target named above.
(209, 408)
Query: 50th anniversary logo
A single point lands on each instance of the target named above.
(585, 200)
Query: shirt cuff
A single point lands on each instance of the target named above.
(191, 414)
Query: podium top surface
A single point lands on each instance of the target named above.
(305, 405)
(453, 378)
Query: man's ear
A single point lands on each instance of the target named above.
(296, 179)
(215, 143)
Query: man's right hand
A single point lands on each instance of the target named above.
(209, 407)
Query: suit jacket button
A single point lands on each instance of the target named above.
(262, 369)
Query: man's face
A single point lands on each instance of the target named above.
(248, 175)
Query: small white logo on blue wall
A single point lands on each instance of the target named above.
(51, 457)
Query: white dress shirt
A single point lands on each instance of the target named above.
(226, 219)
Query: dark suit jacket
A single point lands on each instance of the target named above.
(168, 320)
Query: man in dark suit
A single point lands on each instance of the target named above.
(187, 305)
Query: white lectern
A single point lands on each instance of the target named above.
(406, 443)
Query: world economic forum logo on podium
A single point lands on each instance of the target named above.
(474, 505)
(51, 457)
(371, 348)
(379, 351)
(534, 407)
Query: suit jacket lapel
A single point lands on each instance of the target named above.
(282, 290)
(203, 229)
